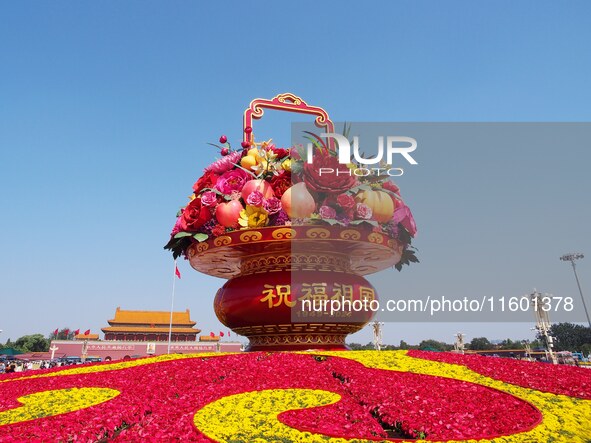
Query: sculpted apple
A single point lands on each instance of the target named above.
(227, 214)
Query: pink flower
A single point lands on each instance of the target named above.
(363, 211)
(403, 216)
(209, 198)
(231, 181)
(177, 226)
(272, 205)
(345, 201)
(255, 198)
(327, 212)
(225, 163)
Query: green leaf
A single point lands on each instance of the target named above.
(296, 167)
(320, 141)
(183, 234)
(245, 170)
(210, 189)
(200, 237)
(359, 188)
(358, 222)
(332, 221)
(346, 130)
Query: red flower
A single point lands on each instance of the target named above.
(331, 183)
(443, 408)
(559, 379)
(280, 152)
(346, 201)
(194, 216)
(280, 183)
(218, 230)
(390, 186)
(207, 180)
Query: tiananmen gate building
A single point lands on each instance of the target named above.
(134, 334)
(150, 326)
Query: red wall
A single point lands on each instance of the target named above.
(117, 350)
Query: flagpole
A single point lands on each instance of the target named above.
(174, 276)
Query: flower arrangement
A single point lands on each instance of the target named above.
(258, 397)
(262, 185)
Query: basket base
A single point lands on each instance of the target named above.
(297, 342)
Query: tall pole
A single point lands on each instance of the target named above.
(171, 308)
(571, 258)
(377, 335)
(543, 324)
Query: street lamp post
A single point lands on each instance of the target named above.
(571, 258)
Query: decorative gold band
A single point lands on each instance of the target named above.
(263, 263)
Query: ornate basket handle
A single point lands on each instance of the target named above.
(284, 102)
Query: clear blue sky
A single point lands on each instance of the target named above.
(105, 109)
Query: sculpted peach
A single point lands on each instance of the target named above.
(298, 202)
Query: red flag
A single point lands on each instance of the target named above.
(76, 332)
(211, 334)
(228, 333)
(87, 332)
(221, 334)
(176, 271)
(66, 332)
(56, 331)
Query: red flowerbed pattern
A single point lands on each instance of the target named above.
(158, 401)
(416, 404)
(556, 379)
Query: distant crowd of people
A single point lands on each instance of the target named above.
(8, 367)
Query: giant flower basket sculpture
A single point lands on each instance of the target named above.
(291, 241)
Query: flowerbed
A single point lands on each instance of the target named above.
(259, 397)
(566, 380)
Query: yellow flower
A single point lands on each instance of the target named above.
(286, 165)
(54, 402)
(252, 416)
(253, 217)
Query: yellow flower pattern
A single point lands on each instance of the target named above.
(50, 403)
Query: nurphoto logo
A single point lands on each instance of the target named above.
(394, 145)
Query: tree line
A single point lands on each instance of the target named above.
(37, 342)
(567, 337)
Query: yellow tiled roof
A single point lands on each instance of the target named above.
(153, 330)
(125, 317)
(87, 337)
(209, 338)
